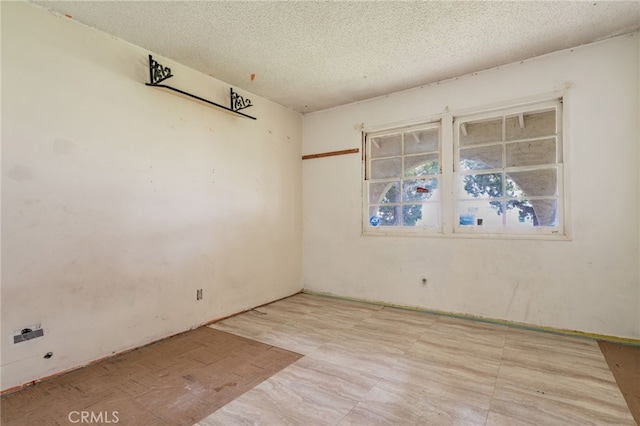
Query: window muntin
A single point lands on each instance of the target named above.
(502, 174)
(508, 171)
(403, 176)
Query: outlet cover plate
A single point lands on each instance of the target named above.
(23, 335)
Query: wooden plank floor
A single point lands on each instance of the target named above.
(177, 381)
(370, 365)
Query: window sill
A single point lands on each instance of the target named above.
(476, 236)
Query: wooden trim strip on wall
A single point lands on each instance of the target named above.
(332, 153)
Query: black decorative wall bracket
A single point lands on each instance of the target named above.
(159, 73)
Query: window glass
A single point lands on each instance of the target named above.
(426, 215)
(532, 183)
(419, 190)
(502, 174)
(384, 192)
(530, 153)
(421, 141)
(421, 165)
(386, 146)
(485, 185)
(403, 179)
(479, 158)
(386, 168)
(480, 132)
(531, 125)
(522, 181)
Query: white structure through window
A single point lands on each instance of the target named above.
(501, 173)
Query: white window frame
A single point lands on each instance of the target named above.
(448, 177)
(402, 230)
(534, 230)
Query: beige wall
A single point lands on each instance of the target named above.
(590, 283)
(120, 200)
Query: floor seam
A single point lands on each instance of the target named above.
(495, 384)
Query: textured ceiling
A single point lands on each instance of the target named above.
(314, 55)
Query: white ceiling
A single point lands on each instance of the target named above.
(310, 55)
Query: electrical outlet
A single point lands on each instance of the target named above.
(199, 294)
(28, 333)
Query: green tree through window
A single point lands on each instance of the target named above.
(490, 185)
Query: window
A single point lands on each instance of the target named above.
(504, 175)
(403, 178)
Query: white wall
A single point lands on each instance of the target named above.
(590, 283)
(120, 200)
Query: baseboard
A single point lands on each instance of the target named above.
(525, 326)
(96, 361)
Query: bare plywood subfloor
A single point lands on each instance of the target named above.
(177, 381)
(624, 362)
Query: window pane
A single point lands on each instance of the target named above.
(384, 192)
(520, 213)
(532, 183)
(420, 190)
(484, 157)
(535, 125)
(479, 132)
(387, 215)
(420, 215)
(421, 141)
(531, 153)
(532, 212)
(387, 168)
(506, 174)
(546, 212)
(421, 165)
(487, 185)
(480, 213)
(386, 146)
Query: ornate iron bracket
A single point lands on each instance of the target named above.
(159, 73)
(238, 102)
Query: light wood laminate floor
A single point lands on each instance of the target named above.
(367, 365)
